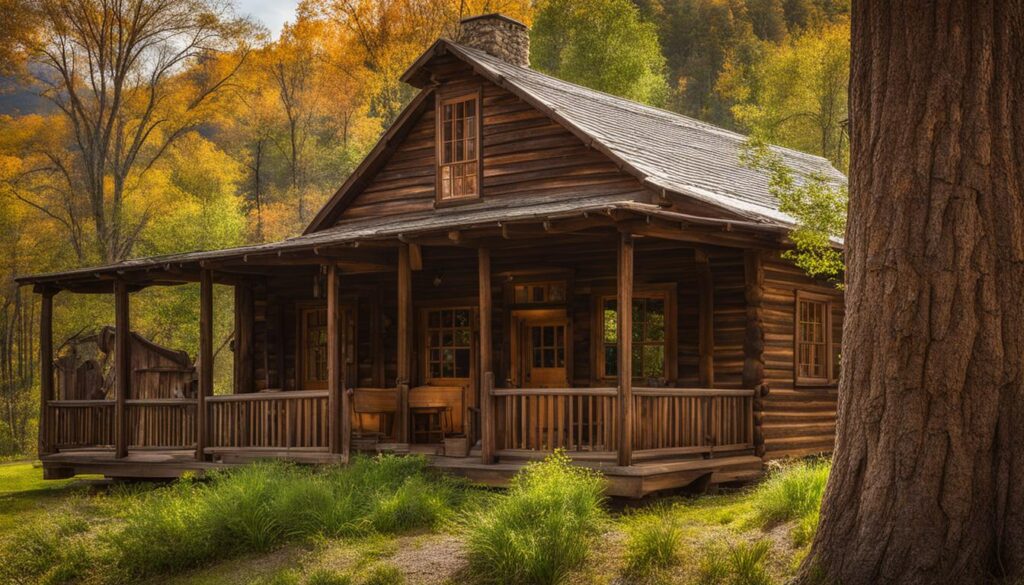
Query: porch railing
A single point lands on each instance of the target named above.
(161, 423)
(680, 421)
(543, 419)
(294, 420)
(79, 423)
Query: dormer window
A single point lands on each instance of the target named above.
(458, 148)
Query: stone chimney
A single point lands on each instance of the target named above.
(505, 38)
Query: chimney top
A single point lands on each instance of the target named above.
(498, 35)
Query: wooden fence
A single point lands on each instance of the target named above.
(681, 421)
(544, 419)
(79, 423)
(161, 423)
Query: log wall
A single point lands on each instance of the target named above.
(798, 419)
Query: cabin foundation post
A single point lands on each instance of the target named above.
(122, 367)
(46, 368)
(338, 404)
(486, 355)
(404, 341)
(205, 360)
(244, 321)
(624, 332)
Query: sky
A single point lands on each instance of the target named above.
(272, 13)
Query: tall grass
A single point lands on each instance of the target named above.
(541, 529)
(250, 509)
(793, 493)
(743, 564)
(653, 541)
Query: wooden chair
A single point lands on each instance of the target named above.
(379, 402)
(434, 405)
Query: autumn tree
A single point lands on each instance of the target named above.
(925, 482)
(604, 45)
(129, 79)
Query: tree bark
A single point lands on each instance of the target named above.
(929, 462)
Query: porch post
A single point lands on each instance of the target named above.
(122, 367)
(624, 332)
(46, 367)
(753, 346)
(338, 404)
(486, 356)
(244, 323)
(404, 341)
(705, 321)
(205, 360)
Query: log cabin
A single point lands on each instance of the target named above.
(459, 296)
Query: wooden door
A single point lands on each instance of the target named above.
(543, 349)
(312, 361)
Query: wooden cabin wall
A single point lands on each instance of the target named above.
(524, 154)
(730, 318)
(799, 420)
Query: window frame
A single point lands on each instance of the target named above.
(442, 100)
(830, 378)
(425, 347)
(667, 293)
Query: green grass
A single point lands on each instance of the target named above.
(654, 541)
(793, 493)
(24, 494)
(741, 564)
(541, 529)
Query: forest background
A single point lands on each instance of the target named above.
(200, 131)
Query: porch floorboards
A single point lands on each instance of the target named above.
(634, 481)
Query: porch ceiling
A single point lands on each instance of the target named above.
(358, 245)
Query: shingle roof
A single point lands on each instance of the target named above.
(668, 150)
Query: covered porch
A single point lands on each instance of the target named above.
(482, 344)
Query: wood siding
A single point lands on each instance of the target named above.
(525, 154)
(798, 419)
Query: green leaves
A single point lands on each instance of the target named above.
(602, 44)
(816, 203)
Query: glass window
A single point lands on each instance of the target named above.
(458, 164)
(650, 341)
(539, 293)
(314, 363)
(813, 333)
(449, 343)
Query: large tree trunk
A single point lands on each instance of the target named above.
(927, 483)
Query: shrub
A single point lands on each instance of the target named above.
(653, 541)
(541, 529)
(792, 493)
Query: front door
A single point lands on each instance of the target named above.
(312, 362)
(543, 351)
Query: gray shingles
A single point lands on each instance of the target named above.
(672, 151)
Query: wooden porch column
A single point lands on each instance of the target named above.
(337, 402)
(705, 321)
(244, 325)
(486, 354)
(46, 367)
(624, 331)
(404, 341)
(753, 344)
(122, 367)
(205, 360)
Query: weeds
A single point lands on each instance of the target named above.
(743, 564)
(793, 493)
(541, 529)
(653, 541)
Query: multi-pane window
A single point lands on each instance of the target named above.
(548, 344)
(449, 343)
(541, 292)
(817, 356)
(650, 337)
(458, 148)
(314, 346)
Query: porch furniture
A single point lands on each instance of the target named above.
(378, 405)
(431, 410)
